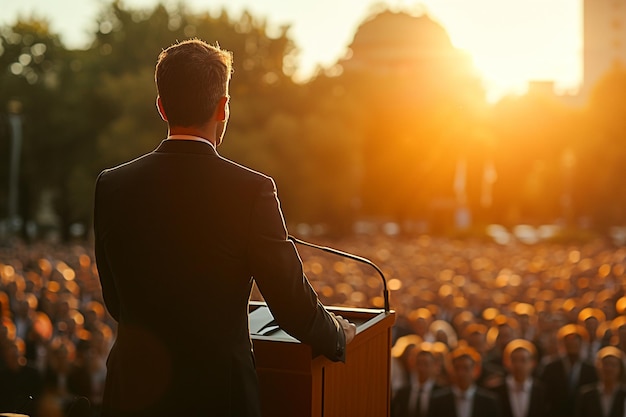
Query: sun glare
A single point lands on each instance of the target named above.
(513, 42)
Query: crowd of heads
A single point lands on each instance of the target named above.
(55, 333)
(510, 309)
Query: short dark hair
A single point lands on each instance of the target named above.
(613, 351)
(515, 345)
(464, 351)
(191, 77)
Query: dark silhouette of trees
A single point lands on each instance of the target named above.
(381, 135)
(601, 190)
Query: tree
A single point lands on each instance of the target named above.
(32, 61)
(602, 166)
(535, 141)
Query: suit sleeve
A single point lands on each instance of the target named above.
(277, 270)
(109, 292)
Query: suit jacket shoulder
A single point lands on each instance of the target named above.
(588, 402)
(442, 404)
(486, 404)
(181, 235)
(537, 406)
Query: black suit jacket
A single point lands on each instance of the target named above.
(180, 234)
(400, 403)
(588, 403)
(442, 404)
(561, 399)
(537, 406)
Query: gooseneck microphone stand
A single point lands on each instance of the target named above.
(350, 256)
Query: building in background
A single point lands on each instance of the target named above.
(604, 40)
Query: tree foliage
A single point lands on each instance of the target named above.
(360, 140)
(602, 156)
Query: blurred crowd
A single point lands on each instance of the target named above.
(472, 317)
(55, 333)
(524, 330)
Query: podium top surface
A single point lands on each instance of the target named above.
(264, 327)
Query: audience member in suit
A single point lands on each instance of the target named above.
(440, 352)
(527, 320)
(503, 330)
(413, 399)
(618, 332)
(591, 319)
(400, 366)
(564, 376)
(520, 394)
(607, 397)
(464, 398)
(444, 333)
(475, 335)
(420, 320)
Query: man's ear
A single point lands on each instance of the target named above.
(221, 110)
(159, 105)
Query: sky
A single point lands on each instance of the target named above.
(511, 41)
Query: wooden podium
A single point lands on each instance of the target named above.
(293, 384)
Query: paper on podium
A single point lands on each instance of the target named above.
(262, 323)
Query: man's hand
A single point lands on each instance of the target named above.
(349, 329)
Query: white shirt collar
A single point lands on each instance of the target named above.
(512, 384)
(426, 386)
(191, 137)
(469, 393)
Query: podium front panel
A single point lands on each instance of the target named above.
(292, 383)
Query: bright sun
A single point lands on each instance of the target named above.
(515, 41)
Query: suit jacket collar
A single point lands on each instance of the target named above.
(535, 399)
(512, 384)
(616, 401)
(185, 146)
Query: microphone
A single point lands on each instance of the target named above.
(349, 256)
